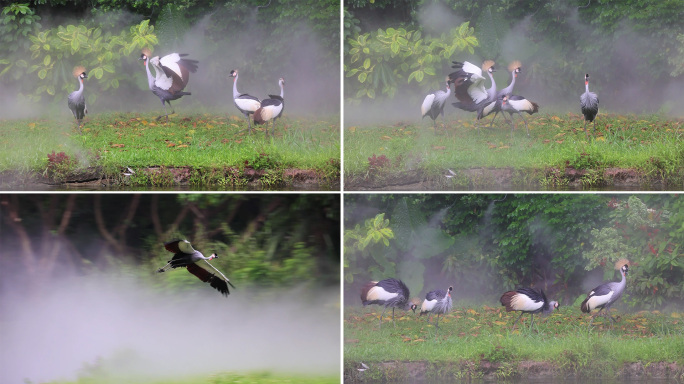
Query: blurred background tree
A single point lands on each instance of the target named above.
(264, 240)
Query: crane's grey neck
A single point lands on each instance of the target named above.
(80, 87)
(623, 282)
(235, 91)
(586, 88)
(282, 91)
(509, 89)
(150, 78)
(492, 91)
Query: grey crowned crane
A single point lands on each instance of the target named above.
(245, 103)
(469, 85)
(606, 294)
(514, 67)
(433, 104)
(517, 104)
(527, 300)
(172, 73)
(76, 101)
(589, 102)
(388, 293)
(197, 264)
(438, 302)
(271, 108)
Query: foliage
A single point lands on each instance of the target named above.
(266, 240)
(637, 232)
(59, 165)
(356, 241)
(16, 22)
(56, 51)
(380, 60)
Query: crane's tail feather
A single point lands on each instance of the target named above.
(364, 290)
(584, 306)
(507, 300)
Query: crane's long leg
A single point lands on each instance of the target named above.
(395, 324)
(165, 112)
(523, 119)
(594, 316)
(437, 321)
(516, 320)
(381, 315)
(531, 320)
(494, 118)
(164, 268)
(585, 128)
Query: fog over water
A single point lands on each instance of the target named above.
(129, 330)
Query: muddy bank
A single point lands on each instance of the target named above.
(484, 370)
(173, 178)
(511, 179)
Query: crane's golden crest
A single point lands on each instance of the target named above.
(487, 64)
(146, 51)
(620, 263)
(78, 70)
(513, 65)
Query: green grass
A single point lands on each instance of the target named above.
(483, 333)
(209, 141)
(650, 144)
(222, 378)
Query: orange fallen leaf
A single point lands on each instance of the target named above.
(118, 145)
(438, 148)
(386, 138)
(169, 145)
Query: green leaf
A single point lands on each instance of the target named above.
(42, 74)
(366, 64)
(46, 60)
(362, 77)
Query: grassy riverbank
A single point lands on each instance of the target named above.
(649, 145)
(212, 149)
(222, 378)
(478, 341)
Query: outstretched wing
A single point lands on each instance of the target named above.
(172, 246)
(215, 281)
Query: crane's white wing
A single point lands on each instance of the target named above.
(427, 104)
(472, 68)
(247, 104)
(206, 265)
(171, 62)
(521, 105)
(185, 247)
(477, 90)
(378, 293)
(522, 302)
(161, 80)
